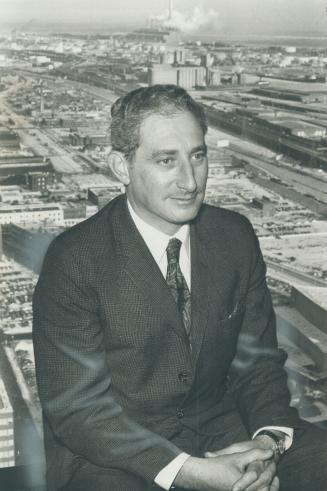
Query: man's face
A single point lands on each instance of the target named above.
(168, 175)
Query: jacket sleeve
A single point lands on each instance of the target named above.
(257, 378)
(74, 378)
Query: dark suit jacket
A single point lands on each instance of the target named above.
(116, 375)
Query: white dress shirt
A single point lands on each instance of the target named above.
(157, 242)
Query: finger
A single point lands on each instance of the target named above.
(258, 487)
(275, 484)
(257, 454)
(224, 451)
(246, 480)
(265, 479)
(257, 466)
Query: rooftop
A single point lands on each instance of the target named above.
(5, 405)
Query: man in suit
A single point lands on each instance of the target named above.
(155, 344)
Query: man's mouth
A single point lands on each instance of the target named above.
(185, 198)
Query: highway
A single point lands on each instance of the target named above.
(302, 182)
(104, 94)
(292, 276)
(44, 145)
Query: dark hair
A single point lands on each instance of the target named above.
(128, 113)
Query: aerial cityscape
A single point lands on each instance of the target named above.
(266, 105)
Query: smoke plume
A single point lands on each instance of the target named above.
(193, 21)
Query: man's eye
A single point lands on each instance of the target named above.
(197, 157)
(166, 161)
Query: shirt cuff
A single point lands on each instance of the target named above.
(167, 475)
(283, 429)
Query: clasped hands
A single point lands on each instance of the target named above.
(244, 466)
(257, 474)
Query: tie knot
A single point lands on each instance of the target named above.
(173, 249)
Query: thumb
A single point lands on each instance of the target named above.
(256, 454)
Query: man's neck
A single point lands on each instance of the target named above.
(168, 229)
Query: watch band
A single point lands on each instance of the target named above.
(279, 441)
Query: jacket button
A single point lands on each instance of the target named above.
(180, 413)
(183, 377)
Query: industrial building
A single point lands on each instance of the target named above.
(174, 68)
(8, 139)
(297, 128)
(16, 290)
(102, 196)
(191, 76)
(39, 181)
(28, 213)
(213, 77)
(186, 76)
(77, 212)
(20, 166)
(8, 194)
(266, 206)
(162, 74)
(153, 35)
(305, 97)
(270, 132)
(88, 138)
(7, 450)
(27, 247)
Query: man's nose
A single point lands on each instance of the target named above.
(186, 180)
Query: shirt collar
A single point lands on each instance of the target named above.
(156, 240)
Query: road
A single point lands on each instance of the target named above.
(105, 94)
(44, 145)
(295, 236)
(301, 182)
(291, 276)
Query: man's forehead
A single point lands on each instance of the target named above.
(165, 124)
(166, 113)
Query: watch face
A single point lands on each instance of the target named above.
(279, 442)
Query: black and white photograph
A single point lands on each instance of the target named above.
(163, 245)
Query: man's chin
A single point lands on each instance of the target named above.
(187, 215)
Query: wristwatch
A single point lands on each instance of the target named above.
(279, 448)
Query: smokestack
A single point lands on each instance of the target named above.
(170, 15)
(1, 244)
(42, 101)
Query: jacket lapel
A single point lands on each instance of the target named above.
(201, 287)
(137, 261)
(210, 270)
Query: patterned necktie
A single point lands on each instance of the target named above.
(177, 284)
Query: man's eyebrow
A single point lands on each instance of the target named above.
(158, 153)
(171, 152)
(200, 148)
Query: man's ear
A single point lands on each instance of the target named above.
(119, 167)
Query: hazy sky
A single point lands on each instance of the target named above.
(234, 16)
